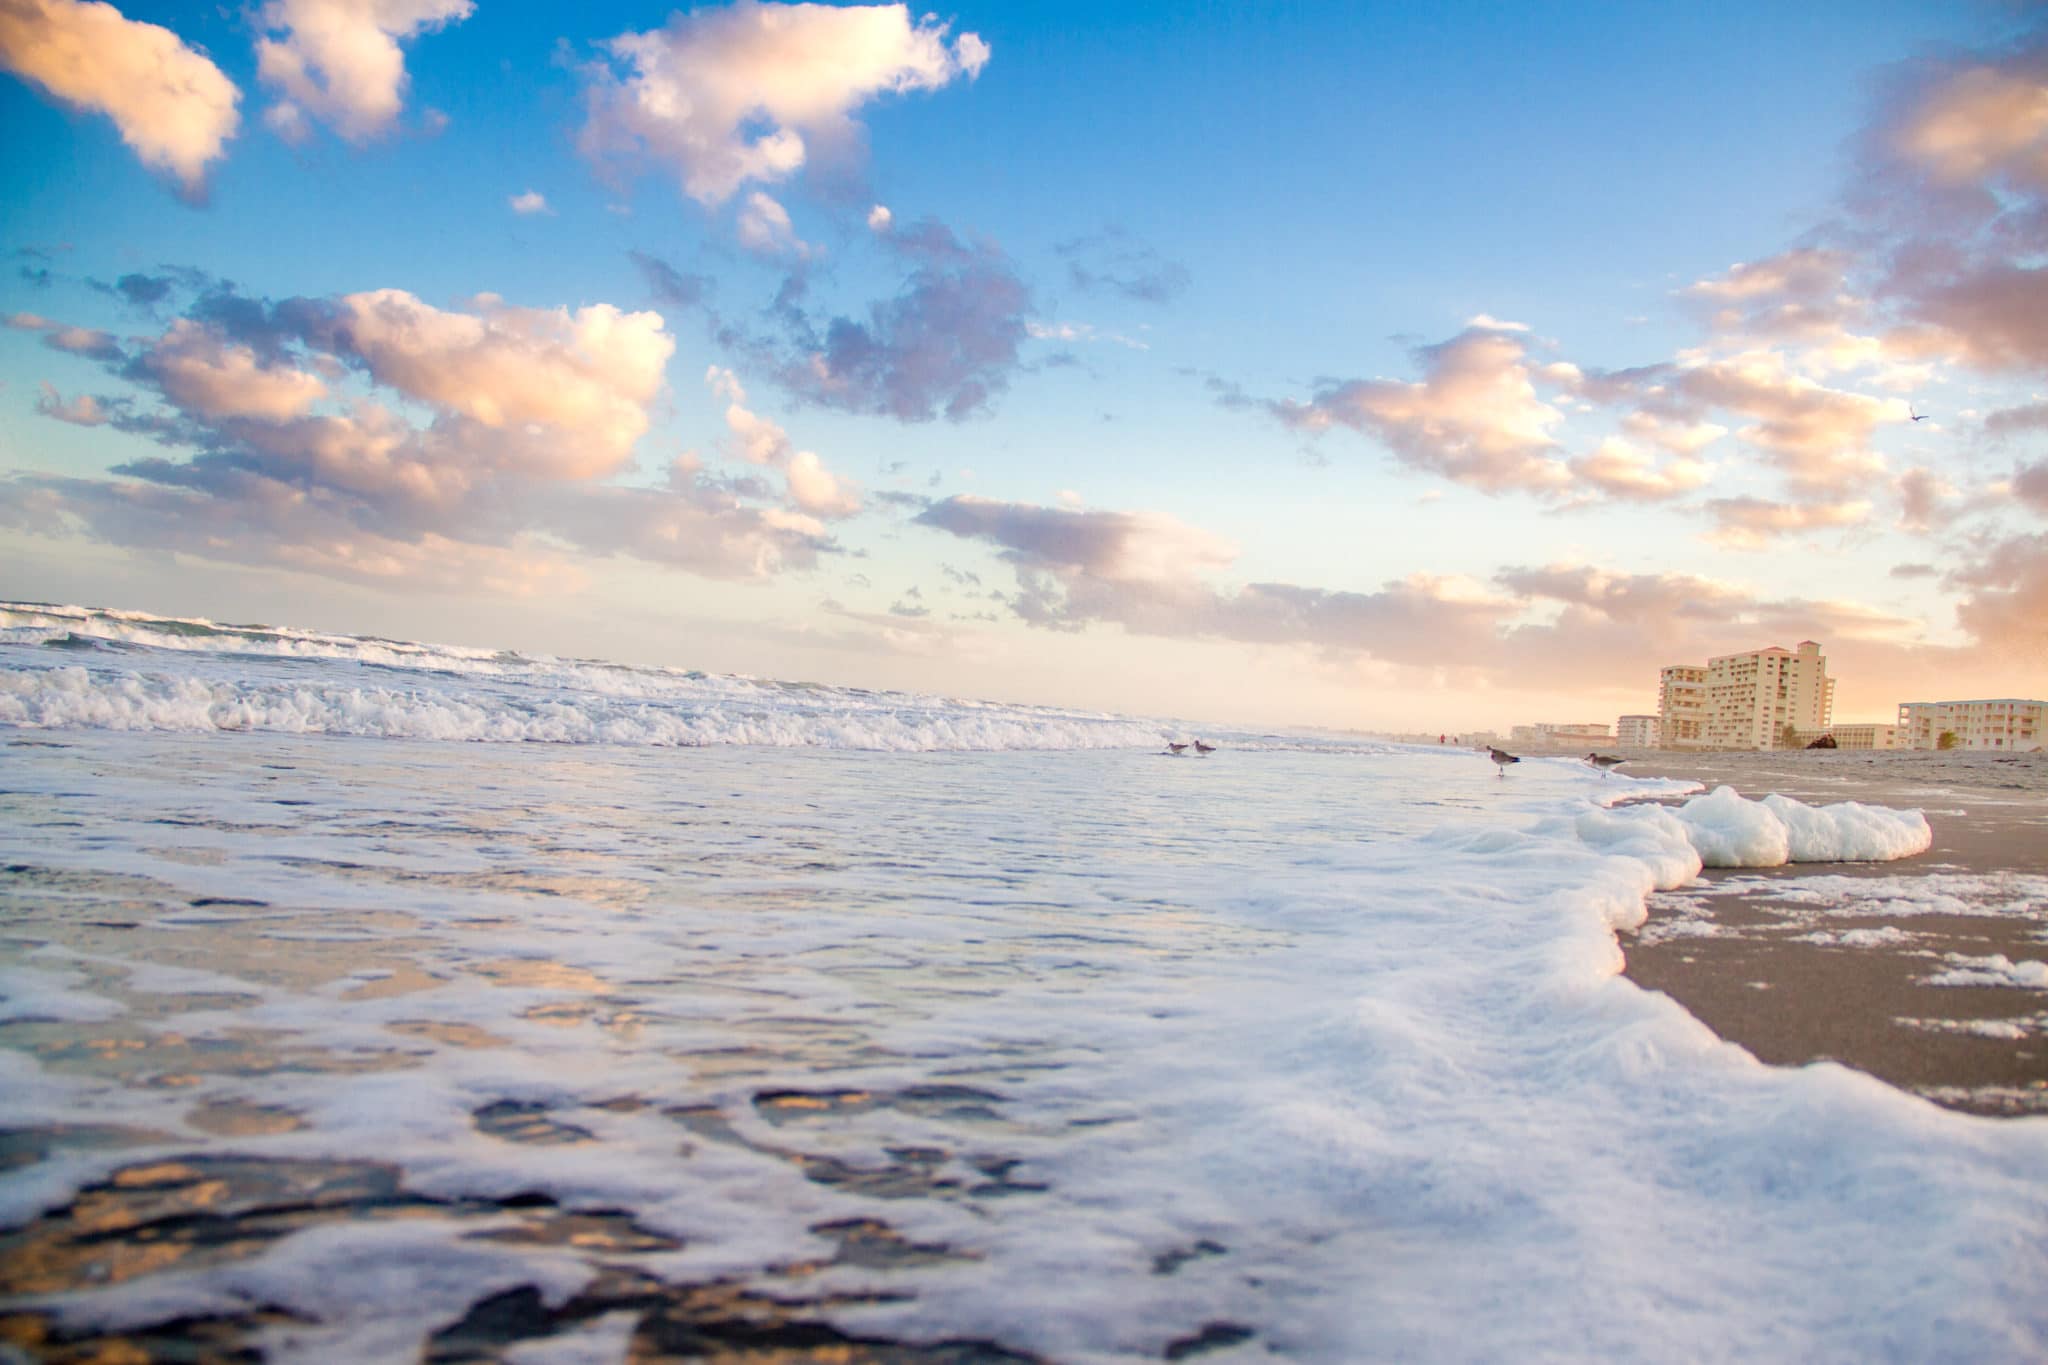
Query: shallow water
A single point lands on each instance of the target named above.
(339, 1044)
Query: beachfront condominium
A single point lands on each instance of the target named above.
(1758, 700)
(1637, 732)
(1553, 734)
(2003, 723)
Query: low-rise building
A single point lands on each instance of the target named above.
(1855, 735)
(1637, 732)
(2000, 723)
(1546, 734)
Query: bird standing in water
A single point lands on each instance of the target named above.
(1174, 748)
(1606, 763)
(1202, 748)
(1501, 759)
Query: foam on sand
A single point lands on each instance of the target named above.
(1730, 831)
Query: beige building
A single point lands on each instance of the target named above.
(1746, 701)
(1550, 733)
(1682, 707)
(1857, 736)
(1637, 732)
(2004, 723)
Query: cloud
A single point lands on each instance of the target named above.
(1474, 418)
(1113, 262)
(1925, 500)
(880, 219)
(531, 376)
(81, 411)
(1622, 471)
(2030, 485)
(724, 97)
(1119, 546)
(207, 376)
(813, 489)
(765, 230)
(85, 341)
(1818, 437)
(1752, 523)
(527, 413)
(669, 285)
(946, 343)
(173, 107)
(1980, 120)
(531, 202)
(2008, 608)
(339, 60)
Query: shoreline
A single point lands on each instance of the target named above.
(1913, 971)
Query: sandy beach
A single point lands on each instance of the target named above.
(1915, 972)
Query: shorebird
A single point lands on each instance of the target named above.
(1606, 763)
(1202, 748)
(1917, 416)
(1501, 759)
(1174, 748)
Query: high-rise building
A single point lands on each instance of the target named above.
(1755, 700)
(1682, 707)
(2005, 723)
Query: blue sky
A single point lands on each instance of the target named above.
(1327, 364)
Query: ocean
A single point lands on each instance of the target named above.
(369, 1000)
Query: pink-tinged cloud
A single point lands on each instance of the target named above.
(1753, 523)
(814, 491)
(746, 93)
(1623, 472)
(765, 229)
(2008, 605)
(172, 105)
(2030, 486)
(1981, 121)
(1818, 437)
(1474, 418)
(82, 410)
(58, 336)
(339, 61)
(587, 375)
(210, 377)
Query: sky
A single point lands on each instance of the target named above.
(1353, 365)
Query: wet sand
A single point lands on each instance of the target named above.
(1754, 961)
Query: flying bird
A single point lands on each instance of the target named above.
(1501, 759)
(1917, 416)
(1202, 748)
(1606, 763)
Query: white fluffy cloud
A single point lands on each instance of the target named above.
(588, 374)
(532, 201)
(173, 107)
(339, 60)
(728, 96)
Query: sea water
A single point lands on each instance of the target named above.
(364, 997)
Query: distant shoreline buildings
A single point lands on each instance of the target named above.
(1777, 698)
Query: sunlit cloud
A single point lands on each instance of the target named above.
(748, 93)
(1474, 418)
(339, 61)
(172, 105)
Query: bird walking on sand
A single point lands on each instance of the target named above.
(1606, 763)
(1175, 749)
(1501, 759)
(1202, 748)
